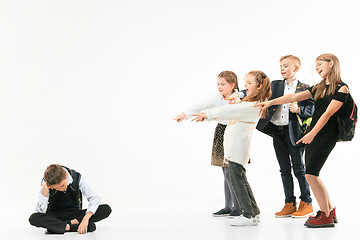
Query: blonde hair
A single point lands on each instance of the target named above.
(265, 88)
(333, 76)
(292, 57)
(231, 78)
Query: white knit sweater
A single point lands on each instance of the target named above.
(242, 119)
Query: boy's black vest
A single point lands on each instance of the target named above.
(70, 199)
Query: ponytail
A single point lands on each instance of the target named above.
(265, 88)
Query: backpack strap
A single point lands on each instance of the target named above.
(352, 113)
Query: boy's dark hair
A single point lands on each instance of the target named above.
(54, 174)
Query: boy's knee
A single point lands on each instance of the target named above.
(33, 219)
(299, 172)
(107, 209)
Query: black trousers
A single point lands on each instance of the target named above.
(55, 221)
(290, 157)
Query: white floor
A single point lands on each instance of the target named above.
(184, 226)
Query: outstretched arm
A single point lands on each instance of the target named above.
(241, 111)
(292, 97)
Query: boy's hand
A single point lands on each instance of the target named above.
(233, 98)
(180, 117)
(294, 108)
(199, 117)
(83, 226)
(84, 223)
(45, 189)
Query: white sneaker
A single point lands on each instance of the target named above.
(243, 221)
(257, 218)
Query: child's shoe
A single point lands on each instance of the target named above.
(305, 209)
(235, 213)
(243, 221)
(319, 212)
(334, 215)
(320, 221)
(221, 213)
(287, 210)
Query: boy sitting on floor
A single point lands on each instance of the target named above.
(59, 205)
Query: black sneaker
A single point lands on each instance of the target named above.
(221, 213)
(235, 213)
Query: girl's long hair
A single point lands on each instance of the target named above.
(333, 77)
(265, 89)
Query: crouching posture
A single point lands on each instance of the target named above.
(59, 204)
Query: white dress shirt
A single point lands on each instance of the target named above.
(88, 193)
(281, 115)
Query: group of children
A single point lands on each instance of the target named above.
(262, 105)
(276, 109)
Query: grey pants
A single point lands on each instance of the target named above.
(242, 190)
(230, 199)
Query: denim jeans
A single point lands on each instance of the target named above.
(290, 157)
(242, 190)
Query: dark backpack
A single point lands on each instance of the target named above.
(347, 118)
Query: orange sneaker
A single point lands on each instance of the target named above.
(305, 209)
(288, 209)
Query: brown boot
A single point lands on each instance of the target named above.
(305, 209)
(288, 209)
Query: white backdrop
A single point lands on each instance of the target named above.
(95, 85)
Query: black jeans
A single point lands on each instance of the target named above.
(290, 156)
(242, 189)
(55, 221)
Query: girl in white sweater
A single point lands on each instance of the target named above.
(242, 119)
(227, 84)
